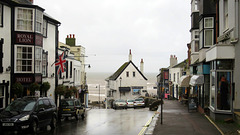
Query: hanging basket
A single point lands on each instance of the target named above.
(34, 87)
(45, 86)
(17, 89)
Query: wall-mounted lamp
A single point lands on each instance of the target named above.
(8, 68)
(89, 66)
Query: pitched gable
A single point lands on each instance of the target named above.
(122, 68)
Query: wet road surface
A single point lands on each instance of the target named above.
(103, 122)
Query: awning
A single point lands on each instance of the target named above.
(196, 80)
(124, 89)
(184, 81)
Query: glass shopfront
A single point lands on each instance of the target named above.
(220, 85)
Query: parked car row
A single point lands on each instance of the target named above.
(129, 103)
(31, 113)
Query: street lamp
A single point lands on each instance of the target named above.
(120, 86)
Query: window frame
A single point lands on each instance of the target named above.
(45, 61)
(16, 19)
(39, 20)
(127, 74)
(1, 15)
(36, 59)
(45, 27)
(32, 59)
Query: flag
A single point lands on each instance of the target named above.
(61, 63)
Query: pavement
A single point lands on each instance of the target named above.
(178, 121)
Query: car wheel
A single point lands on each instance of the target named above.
(33, 127)
(53, 123)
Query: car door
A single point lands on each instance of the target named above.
(40, 112)
(48, 114)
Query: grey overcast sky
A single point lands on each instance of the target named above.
(152, 29)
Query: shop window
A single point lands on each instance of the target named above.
(136, 91)
(223, 90)
(24, 59)
(212, 93)
(71, 69)
(1, 15)
(38, 60)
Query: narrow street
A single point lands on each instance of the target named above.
(103, 122)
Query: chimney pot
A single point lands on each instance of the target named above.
(73, 35)
(67, 36)
(70, 35)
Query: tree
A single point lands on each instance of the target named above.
(45, 87)
(34, 87)
(60, 90)
(17, 89)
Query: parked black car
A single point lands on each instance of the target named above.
(29, 113)
(70, 108)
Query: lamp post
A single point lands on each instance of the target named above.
(120, 86)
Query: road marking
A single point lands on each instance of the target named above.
(146, 125)
(214, 125)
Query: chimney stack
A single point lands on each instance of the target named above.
(130, 55)
(70, 40)
(173, 60)
(141, 66)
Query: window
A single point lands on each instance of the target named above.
(24, 60)
(39, 21)
(174, 77)
(208, 37)
(38, 59)
(134, 75)
(1, 15)
(66, 64)
(44, 64)
(45, 28)
(208, 22)
(24, 19)
(225, 14)
(127, 74)
(70, 69)
(1, 55)
(196, 46)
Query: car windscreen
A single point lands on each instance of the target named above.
(67, 103)
(21, 105)
(139, 99)
(121, 100)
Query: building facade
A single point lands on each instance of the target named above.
(128, 82)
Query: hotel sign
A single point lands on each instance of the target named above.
(29, 38)
(23, 80)
(24, 38)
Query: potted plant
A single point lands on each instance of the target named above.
(34, 87)
(60, 90)
(68, 92)
(17, 89)
(45, 87)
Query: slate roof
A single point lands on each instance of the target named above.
(181, 64)
(25, 2)
(121, 69)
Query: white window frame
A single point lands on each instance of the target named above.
(38, 59)
(205, 45)
(44, 64)
(225, 12)
(31, 20)
(205, 24)
(39, 21)
(44, 32)
(16, 59)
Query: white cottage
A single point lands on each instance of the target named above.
(128, 82)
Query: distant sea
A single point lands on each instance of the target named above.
(96, 79)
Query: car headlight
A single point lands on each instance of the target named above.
(24, 118)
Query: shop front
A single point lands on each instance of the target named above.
(221, 89)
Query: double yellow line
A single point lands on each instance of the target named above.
(146, 125)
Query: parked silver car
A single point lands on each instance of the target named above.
(120, 103)
(139, 102)
(130, 103)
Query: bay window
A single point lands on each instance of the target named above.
(38, 59)
(45, 28)
(24, 59)
(206, 27)
(39, 21)
(24, 19)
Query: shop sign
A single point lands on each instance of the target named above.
(24, 38)
(38, 79)
(24, 79)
